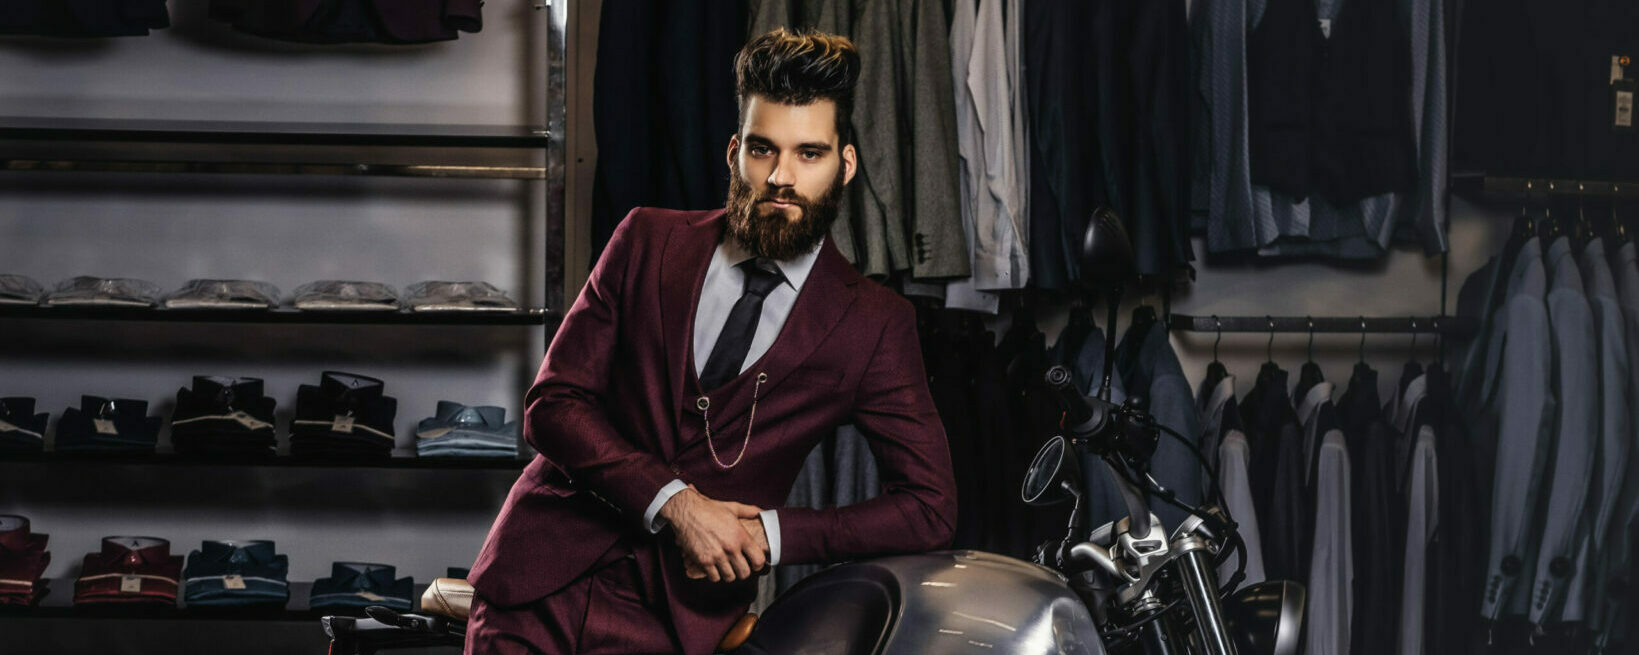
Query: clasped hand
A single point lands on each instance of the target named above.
(721, 541)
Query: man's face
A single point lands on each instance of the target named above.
(786, 175)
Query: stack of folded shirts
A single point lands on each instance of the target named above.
(357, 585)
(223, 416)
(224, 294)
(346, 296)
(23, 559)
(346, 416)
(129, 570)
(236, 574)
(19, 290)
(21, 430)
(103, 292)
(108, 427)
(435, 296)
(462, 431)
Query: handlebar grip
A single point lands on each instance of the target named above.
(1079, 417)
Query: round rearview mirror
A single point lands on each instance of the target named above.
(1054, 464)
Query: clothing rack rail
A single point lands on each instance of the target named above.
(1453, 325)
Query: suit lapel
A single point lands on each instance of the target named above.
(689, 249)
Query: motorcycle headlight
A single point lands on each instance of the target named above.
(1267, 618)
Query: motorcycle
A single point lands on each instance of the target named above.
(1125, 587)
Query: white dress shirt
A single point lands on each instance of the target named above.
(724, 285)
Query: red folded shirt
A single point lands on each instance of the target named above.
(23, 559)
(129, 570)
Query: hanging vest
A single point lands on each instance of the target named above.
(1330, 114)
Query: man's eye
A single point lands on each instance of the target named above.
(759, 150)
(811, 154)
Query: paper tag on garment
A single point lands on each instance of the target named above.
(343, 424)
(130, 584)
(434, 433)
(250, 422)
(1617, 68)
(371, 596)
(1624, 109)
(233, 582)
(104, 426)
(1326, 27)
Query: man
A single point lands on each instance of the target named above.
(708, 353)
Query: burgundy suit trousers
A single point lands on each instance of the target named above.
(610, 610)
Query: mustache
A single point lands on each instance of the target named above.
(785, 195)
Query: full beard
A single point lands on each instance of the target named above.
(768, 233)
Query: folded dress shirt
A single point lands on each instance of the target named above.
(103, 292)
(19, 290)
(223, 416)
(346, 415)
(462, 431)
(224, 294)
(360, 585)
(21, 430)
(344, 296)
(129, 570)
(108, 426)
(23, 559)
(434, 296)
(236, 574)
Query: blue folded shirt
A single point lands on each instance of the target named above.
(236, 574)
(362, 584)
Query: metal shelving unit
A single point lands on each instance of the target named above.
(284, 316)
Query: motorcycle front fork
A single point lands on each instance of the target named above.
(1200, 588)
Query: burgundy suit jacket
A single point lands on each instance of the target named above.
(613, 414)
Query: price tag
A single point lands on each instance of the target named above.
(434, 433)
(233, 582)
(104, 426)
(372, 596)
(342, 424)
(130, 584)
(250, 422)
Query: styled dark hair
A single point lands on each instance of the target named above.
(799, 68)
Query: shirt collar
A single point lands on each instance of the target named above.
(796, 269)
(1318, 394)
(255, 552)
(347, 386)
(457, 414)
(14, 534)
(135, 551)
(361, 575)
(225, 391)
(110, 408)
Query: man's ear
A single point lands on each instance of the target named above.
(733, 149)
(850, 163)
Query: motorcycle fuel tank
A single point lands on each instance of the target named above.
(933, 604)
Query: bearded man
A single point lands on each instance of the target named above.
(708, 353)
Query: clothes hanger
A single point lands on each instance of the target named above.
(1143, 319)
(1216, 372)
(1412, 370)
(1310, 375)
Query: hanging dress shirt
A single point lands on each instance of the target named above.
(1002, 259)
(962, 293)
(1222, 434)
(1331, 561)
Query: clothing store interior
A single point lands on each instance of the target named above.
(1355, 281)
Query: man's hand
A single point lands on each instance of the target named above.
(712, 534)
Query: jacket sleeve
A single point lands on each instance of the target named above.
(566, 418)
(916, 510)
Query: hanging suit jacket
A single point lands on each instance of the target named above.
(1148, 366)
(1522, 403)
(1278, 468)
(342, 21)
(614, 416)
(1615, 435)
(1575, 433)
(1615, 571)
(1371, 444)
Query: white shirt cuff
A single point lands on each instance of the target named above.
(651, 516)
(771, 530)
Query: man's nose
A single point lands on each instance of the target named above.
(783, 174)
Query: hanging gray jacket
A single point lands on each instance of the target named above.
(1520, 397)
(1574, 435)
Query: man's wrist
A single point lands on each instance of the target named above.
(658, 516)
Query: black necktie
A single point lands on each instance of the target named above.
(735, 340)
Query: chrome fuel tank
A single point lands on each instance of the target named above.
(934, 604)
